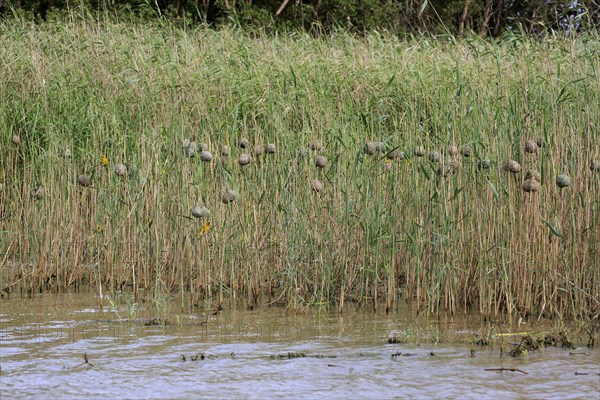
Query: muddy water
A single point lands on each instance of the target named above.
(247, 355)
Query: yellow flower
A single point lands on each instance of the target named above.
(205, 228)
(104, 160)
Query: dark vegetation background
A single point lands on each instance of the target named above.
(456, 17)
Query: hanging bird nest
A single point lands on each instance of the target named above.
(229, 196)
(200, 211)
(541, 142)
(370, 148)
(393, 154)
(244, 159)
(595, 165)
(512, 166)
(131, 169)
(315, 145)
(84, 180)
(16, 140)
(434, 156)
(467, 150)
(206, 156)
(67, 153)
(316, 185)
(452, 150)
(531, 147)
(185, 143)
(271, 148)
(244, 143)
(562, 181)
(225, 151)
(484, 163)
(533, 174)
(448, 167)
(259, 149)
(531, 185)
(321, 161)
(120, 169)
(419, 151)
(204, 147)
(38, 193)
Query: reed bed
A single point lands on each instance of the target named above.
(384, 176)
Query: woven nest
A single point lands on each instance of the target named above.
(271, 148)
(434, 156)
(315, 145)
(131, 169)
(370, 148)
(531, 147)
(541, 142)
(225, 151)
(452, 150)
(512, 166)
(387, 165)
(84, 180)
(595, 165)
(533, 174)
(190, 148)
(16, 139)
(531, 185)
(67, 153)
(321, 161)
(316, 185)
(1, 187)
(467, 150)
(484, 163)
(562, 181)
(449, 167)
(200, 211)
(244, 159)
(204, 147)
(120, 169)
(185, 143)
(419, 151)
(206, 156)
(393, 154)
(244, 143)
(229, 196)
(38, 193)
(259, 149)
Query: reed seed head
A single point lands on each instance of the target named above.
(84, 180)
(533, 174)
(484, 163)
(200, 211)
(229, 196)
(259, 149)
(120, 169)
(271, 148)
(370, 148)
(316, 185)
(531, 147)
(419, 151)
(434, 156)
(244, 159)
(244, 143)
(225, 151)
(206, 156)
(467, 150)
(562, 181)
(321, 161)
(315, 145)
(531, 185)
(512, 166)
(16, 139)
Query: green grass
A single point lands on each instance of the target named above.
(471, 240)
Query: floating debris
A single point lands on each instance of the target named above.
(316, 185)
(229, 196)
(512, 166)
(244, 143)
(16, 139)
(562, 181)
(200, 211)
(84, 180)
(531, 186)
(259, 149)
(244, 159)
(225, 151)
(533, 174)
(289, 355)
(271, 148)
(419, 151)
(120, 169)
(315, 145)
(531, 147)
(434, 156)
(467, 150)
(206, 156)
(321, 161)
(502, 369)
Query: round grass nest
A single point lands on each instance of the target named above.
(244, 159)
(512, 166)
(563, 181)
(315, 145)
(120, 169)
(271, 148)
(530, 146)
(484, 163)
(84, 180)
(229, 196)
(467, 150)
(206, 156)
(225, 150)
(419, 151)
(541, 142)
(321, 161)
(370, 148)
(316, 185)
(531, 185)
(16, 139)
(434, 156)
(259, 149)
(244, 143)
(533, 174)
(452, 150)
(200, 211)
